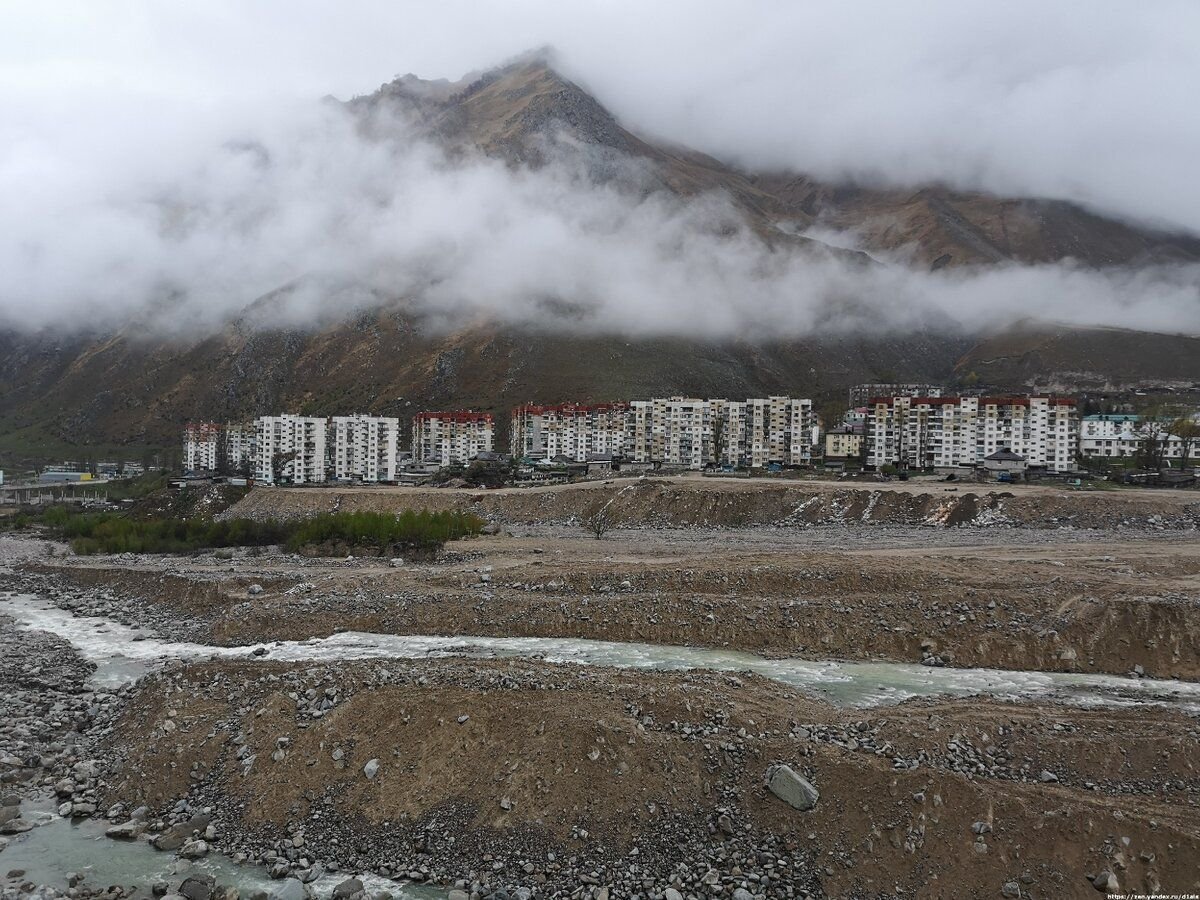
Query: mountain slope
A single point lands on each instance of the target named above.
(135, 388)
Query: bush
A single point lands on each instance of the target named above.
(90, 533)
(409, 530)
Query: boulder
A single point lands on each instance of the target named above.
(198, 887)
(126, 831)
(292, 889)
(177, 835)
(347, 889)
(794, 790)
(371, 769)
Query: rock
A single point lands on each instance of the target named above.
(457, 894)
(1010, 889)
(16, 826)
(194, 849)
(371, 769)
(672, 894)
(292, 889)
(197, 887)
(1047, 777)
(794, 790)
(177, 835)
(1106, 882)
(126, 831)
(347, 889)
(742, 894)
(254, 590)
(8, 813)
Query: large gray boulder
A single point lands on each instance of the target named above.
(347, 889)
(292, 889)
(197, 887)
(794, 790)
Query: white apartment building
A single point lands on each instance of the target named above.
(451, 438)
(200, 441)
(1116, 435)
(364, 448)
(569, 429)
(950, 432)
(291, 446)
(240, 440)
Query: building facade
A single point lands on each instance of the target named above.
(451, 438)
(693, 433)
(290, 449)
(569, 429)
(240, 440)
(954, 432)
(862, 394)
(200, 443)
(1123, 436)
(844, 442)
(364, 448)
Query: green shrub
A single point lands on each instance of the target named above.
(105, 532)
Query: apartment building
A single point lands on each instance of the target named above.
(200, 443)
(574, 430)
(364, 448)
(844, 442)
(290, 449)
(953, 432)
(674, 431)
(451, 438)
(239, 442)
(1117, 435)
(778, 432)
(862, 394)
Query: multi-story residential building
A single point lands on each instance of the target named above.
(239, 441)
(675, 431)
(364, 448)
(570, 429)
(1117, 435)
(211, 447)
(862, 394)
(451, 438)
(951, 432)
(290, 449)
(200, 443)
(844, 442)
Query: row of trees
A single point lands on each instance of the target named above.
(1159, 428)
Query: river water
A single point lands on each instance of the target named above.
(58, 847)
(122, 654)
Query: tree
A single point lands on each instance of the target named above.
(222, 463)
(600, 520)
(1153, 450)
(278, 462)
(1187, 429)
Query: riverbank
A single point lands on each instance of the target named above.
(691, 501)
(1060, 601)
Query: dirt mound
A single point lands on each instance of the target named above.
(686, 503)
(552, 777)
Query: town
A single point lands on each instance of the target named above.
(888, 429)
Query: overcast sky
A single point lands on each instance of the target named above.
(108, 107)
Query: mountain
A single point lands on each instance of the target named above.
(133, 388)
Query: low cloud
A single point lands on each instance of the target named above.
(188, 221)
